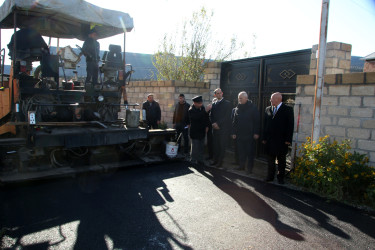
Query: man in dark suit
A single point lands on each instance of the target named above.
(277, 135)
(246, 127)
(221, 126)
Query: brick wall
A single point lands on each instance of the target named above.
(369, 66)
(347, 111)
(167, 92)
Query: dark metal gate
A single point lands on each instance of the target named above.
(262, 76)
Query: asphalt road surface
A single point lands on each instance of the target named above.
(175, 206)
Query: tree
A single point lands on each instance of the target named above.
(184, 56)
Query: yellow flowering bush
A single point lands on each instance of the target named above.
(330, 169)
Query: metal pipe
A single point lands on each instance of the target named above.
(320, 71)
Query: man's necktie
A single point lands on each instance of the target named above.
(274, 111)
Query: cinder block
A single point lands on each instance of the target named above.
(168, 83)
(334, 131)
(362, 112)
(325, 121)
(161, 84)
(330, 79)
(183, 90)
(348, 56)
(329, 101)
(369, 101)
(339, 90)
(340, 111)
(346, 47)
(359, 133)
(370, 78)
(363, 90)
(190, 84)
(350, 101)
(349, 122)
(179, 83)
(200, 84)
(353, 78)
(305, 79)
(304, 100)
(333, 46)
(366, 145)
(369, 124)
(344, 64)
(334, 71)
(331, 62)
(336, 53)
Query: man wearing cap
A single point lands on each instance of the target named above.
(198, 122)
(153, 112)
(180, 121)
(221, 126)
(90, 50)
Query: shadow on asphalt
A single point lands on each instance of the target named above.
(308, 204)
(250, 202)
(112, 211)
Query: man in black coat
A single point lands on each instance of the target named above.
(246, 128)
(277, 135)
(180, 121)
(198, 123)
(221, 126)
(90, 50)
(153, 112)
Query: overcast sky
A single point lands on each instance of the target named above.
(279, 26)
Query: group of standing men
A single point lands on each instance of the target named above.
(242, 123)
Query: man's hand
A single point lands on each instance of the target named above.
(158, 122)
(256, 136)
(215, 126)
(287, 143)
(234, 137)
(206, 130)
(208, 107)
(173, 125)
(264, 142)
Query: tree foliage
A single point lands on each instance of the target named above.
(184, 54)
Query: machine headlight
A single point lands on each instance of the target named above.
(100, 98)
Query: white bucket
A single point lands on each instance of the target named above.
(171, 149)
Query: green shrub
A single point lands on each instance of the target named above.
(332, 170)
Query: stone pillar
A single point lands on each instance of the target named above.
(212, 77)
(338, 57)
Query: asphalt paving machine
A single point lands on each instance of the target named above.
(52, 126)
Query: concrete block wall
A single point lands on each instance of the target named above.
(338, 57)
(167, 92)
(347, 111)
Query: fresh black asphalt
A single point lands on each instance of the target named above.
(175, 206)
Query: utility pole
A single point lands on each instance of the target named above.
(320, 70)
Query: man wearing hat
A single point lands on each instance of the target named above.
(90, 50)
(153, 112)
(181, 119)
(199, 122)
